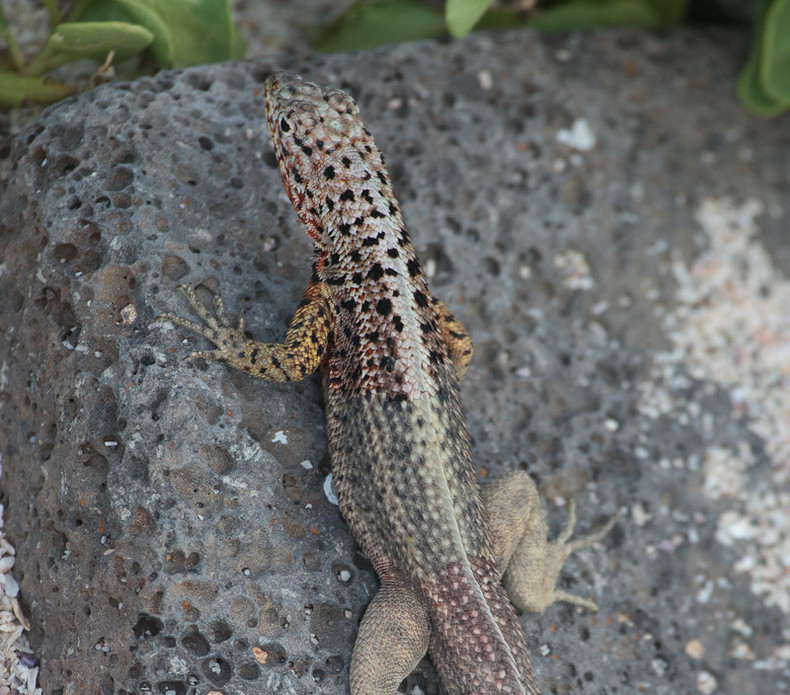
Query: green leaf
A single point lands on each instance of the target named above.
(79, 9)
(17, 89)
(751, 89)
(74, 40)
(370, 23)
(670, 12)
(162, 45)
(775, 53)
(586, 14)
(462, 15)
(99, 11)
(188, 32)
(570, 15)
(751, 93)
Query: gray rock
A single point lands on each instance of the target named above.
(168, 527)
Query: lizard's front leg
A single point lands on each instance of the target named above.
(529, 562)
(455, 337)
(295, 358)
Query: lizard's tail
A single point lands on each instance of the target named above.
(477, 644)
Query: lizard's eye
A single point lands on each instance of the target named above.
(285, 126)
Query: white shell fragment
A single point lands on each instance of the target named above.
(19, 672)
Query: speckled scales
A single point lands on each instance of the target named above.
(399, 474)
(385, 336)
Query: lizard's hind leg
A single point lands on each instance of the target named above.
(529, 562)
(392, 637)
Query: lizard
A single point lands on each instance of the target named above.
(450, 558)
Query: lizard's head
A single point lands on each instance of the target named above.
(326, 155)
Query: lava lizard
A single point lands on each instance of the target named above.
(392, 355)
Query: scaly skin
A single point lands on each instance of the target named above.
(391, 356)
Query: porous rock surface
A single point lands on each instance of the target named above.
(170, 517)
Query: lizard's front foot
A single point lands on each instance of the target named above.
(295, 358)
(216, 328)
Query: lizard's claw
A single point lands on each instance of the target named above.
(561, 548)
(590, 538)
(215, 327)
(208, 355)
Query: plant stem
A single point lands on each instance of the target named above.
(54, 13)
(77, 9)
(14, 54)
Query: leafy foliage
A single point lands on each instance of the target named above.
(764, 84)
(462, 15)
(369, 23)
(170, 33)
